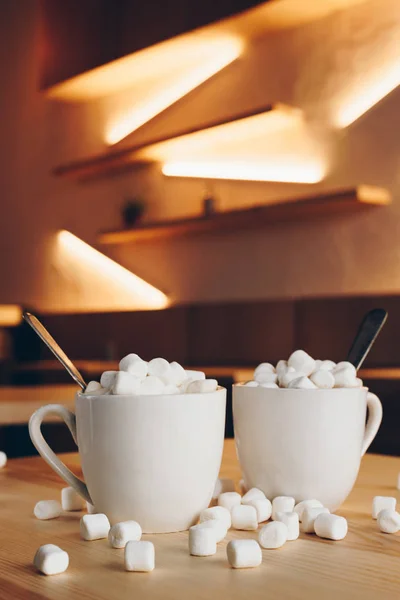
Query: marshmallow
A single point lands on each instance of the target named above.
(137, 368)
(243, 554)
(125, 384)
(3, 459)
(327, 365)
(194, 375)
(170, 388)
(47, 509)
(264, 367)
(302, 383)
(202, 541)
(159, 367)
(302, 362)
(345, 364)
(229, 500)
(127, 360)
(309, 514)
(266, 377)
(289, 376)
(253, 494)
(202, 386)
(291, 520)
(244, 517)
(93, 386)
(282, 504)
(177, 373)
(139, 556)
(70, 499)
(273, 535)
(345, 378)
(269, 385)
(263, 509)
(317, 365)
(323, 379)
(221, 486)
(389, 521)
(151, 386)
(122, 533)
(382, 502)
(51, 560)
(251, 384)
(217, 526)
(91, 510)
(331, 527)
(94, 527)
(301, 506)
(107, 379)
(219, 513)
(281, 367)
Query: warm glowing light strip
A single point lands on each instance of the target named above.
(242, 171)
(142, 291)
(10, 315)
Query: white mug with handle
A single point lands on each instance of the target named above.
(152, 459)
(304, 443)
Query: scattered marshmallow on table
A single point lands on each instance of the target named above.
(47, 509)
(302, 362)
(301, 506)
(273, 535)
(202, 386)
(253, 494)
(282, 504)
(202, 541)
(3, 459)
(51, 560)
(94, 527)
(229, 499)
(291, 520)
(309, 514)
(323, 379)
(125, 384)
(223, 485)
(382, 502)
(71, 500)
(331, 527)
(302, 383)
(389, 521)
(244, 554)
(218, 526)
(217, 512)
(263, 509)
(139, 556)
(244, 517)
(122, 533)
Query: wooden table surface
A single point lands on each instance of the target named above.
(366, 565)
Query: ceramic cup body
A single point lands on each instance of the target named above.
(303, 443)
(153, 459)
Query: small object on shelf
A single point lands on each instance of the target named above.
(132, 211)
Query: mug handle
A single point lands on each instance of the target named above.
(47, 453)
(374, 406)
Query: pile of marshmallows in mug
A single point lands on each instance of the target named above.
(243, 513)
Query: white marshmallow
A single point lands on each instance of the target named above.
(159, 367)
(389, 521)
(244, 554)
(345, 378)
(251, 384)
(127, 360)
(269, 385)
(93, 386)
(217, 512)
(202, 541)
(221, 486)
(382, 502)
(264, 367)
(229, 500)
(137, 368)
(122, 533)
(282, 504)
(309, 514)
(91, 510)
(302, 383)
(202, 386)
(218, 527)
(170, 388)
(3, 459)
(327, 365)
(323, 379)
(281, 367)
(345, 364)
(194, 375)
(177, 373)
(94, 527)
(291, 520)
(51, 560)
(263, 509)
(47, 509)
(107, 379)
(273, 535)
(139, 556)
(253, 494)
(331, 527)
(289, 376)
(244, 517)
(266, 377)
(71, 500)
(318, 363)
(125, 384)
(302, 362)
(301, 506)
(151, 386)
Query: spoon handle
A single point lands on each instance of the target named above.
(55, 348)
(367, 333)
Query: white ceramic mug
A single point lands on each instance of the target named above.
(303, 443)
(152, 459)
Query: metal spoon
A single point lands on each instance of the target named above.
(55, 348)
(367, 333)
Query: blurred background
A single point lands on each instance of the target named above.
(216, 183)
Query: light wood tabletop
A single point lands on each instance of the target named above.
(366, 565)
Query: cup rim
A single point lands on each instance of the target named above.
(240, 384)
(137, 396)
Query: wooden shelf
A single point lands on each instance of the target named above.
(339, 201)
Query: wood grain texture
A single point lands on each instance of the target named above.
(363, 566)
